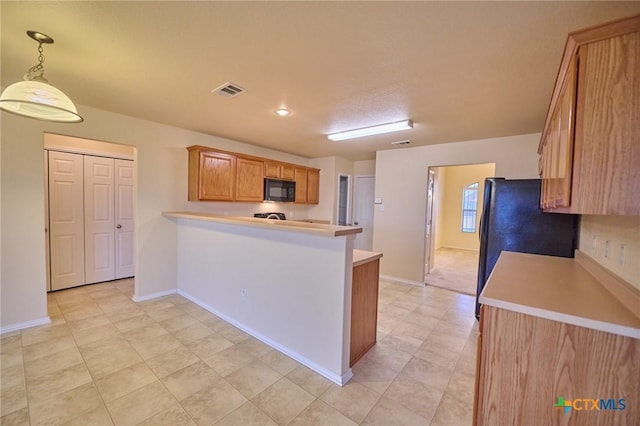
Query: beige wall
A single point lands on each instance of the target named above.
(619, 230)
(456, 179)
(401, 178)
(331, 168)
(162, 185)
(366, 167)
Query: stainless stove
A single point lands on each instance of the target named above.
(271, 215)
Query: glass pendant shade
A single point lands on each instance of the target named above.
(39, 100)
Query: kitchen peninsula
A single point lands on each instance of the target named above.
(286, 283)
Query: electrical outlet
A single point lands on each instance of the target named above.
(607, 249)
(623, 249)
(243, 294)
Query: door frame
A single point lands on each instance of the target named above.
(355, 195)
(349, 198)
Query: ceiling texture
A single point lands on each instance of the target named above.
(459, 70)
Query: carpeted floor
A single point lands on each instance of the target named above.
(455, 269)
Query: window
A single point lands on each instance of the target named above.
(469, 207)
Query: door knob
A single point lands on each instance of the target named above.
(118, 226)
(355, 223)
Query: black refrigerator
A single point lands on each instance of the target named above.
(512, 220)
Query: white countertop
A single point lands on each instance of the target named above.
(281, 225)
(558, 289)
(360, 257)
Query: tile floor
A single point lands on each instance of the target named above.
(106, 360)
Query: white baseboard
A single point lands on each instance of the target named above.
(335, 378)
(402, 280)
(26, 324)
(153, 295)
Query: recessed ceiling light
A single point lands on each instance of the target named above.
(283, 112)
(373, 130)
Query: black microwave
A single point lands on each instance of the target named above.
(279, 190)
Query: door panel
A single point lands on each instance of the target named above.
(66, 220)
(363, 205)
(124, 208)
(99, 219)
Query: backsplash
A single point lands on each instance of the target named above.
(613, 242)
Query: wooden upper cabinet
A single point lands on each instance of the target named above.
(272, 170)
(249, 180)
(211, 176)
(301, 185)
(288, 172)
(590, 146)
(313, 186)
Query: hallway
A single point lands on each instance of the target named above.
(455, 269)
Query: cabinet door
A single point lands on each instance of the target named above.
(272, 170)
(313, 186)
(249, 180)
(301, 185)
(217, 176)
(66, 220)
(288, 172)
(607, 127)
(99, 219)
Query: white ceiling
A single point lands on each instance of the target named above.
(459, 70)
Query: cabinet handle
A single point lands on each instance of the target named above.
(118, 226)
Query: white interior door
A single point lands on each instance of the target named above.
(99, 223)
(363, 205)
(124, 208)
(66, 220)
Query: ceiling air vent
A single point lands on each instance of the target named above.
(229, 90)
(407, 142)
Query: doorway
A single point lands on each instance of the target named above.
(344, 200)
(89, 211)
(454, 206)
(363, 210)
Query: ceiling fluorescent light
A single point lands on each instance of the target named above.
(373, 130)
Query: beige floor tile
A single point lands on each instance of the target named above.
(280, 362)
(172, 416)
(414, 396)
(229, 360)
(135, 321)
(169, 362)
(411, 330)
(12, 356)
(63, 407)
(44, 333)
(12, 399)
(16, 418)
(437, 354)
(48, 347)
(140, 404)
(125, 313)
(248, 414)
(124, 381)
(106, 357)
(209, 345)
(79, 311)
(10, 341)
(165, 314)
(96, 417)
(213, 322)
(155, 304)
(201, 314)
(321, 414)
(373, 375)
(253, 378)
(116, 304)
(42, 387)
(193, 332)
(406, 344)
(232, 334)
(387, 412)
(354, 400)
(283, 401)
(213, 403)
(255, 347)
(57, 319)
(461, 386)
(452, 412)
(189, 380)
(178, 322)
(433, 375)
(145, 332)
(101, 332)
(153, 346)
(309, 380)
(52, 363)
(388, 357)
(12, 376)
(91, 322)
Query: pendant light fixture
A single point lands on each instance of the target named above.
(35, 97)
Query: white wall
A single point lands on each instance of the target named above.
(365, 167)
(401, 178)
(162, 185)
(330, 168)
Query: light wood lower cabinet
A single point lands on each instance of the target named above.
(528, 365)
(364, 309)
